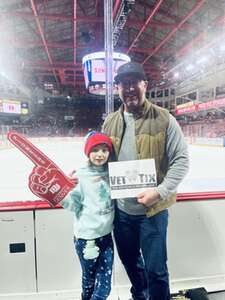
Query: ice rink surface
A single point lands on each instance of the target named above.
(207, 168)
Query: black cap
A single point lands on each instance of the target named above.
(130, 68)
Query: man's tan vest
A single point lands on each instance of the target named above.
(150, 135)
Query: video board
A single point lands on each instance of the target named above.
(13, 107)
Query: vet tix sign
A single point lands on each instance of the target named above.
(128, 178)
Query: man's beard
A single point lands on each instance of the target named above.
(133, 106)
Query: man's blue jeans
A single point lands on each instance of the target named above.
(141, 245)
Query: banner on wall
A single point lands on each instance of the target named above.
(216, 103)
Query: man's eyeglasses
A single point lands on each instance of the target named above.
(129, 83)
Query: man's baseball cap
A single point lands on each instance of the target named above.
(130, 68)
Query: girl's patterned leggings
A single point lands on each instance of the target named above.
(96, 273)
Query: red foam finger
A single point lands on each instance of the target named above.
(48, 175)
(39, 170)
(32, 152)
(34, 178)
(43, 175)
(46, 180)
(38, 189)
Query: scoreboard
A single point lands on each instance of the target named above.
(13, 107)
(95, 73)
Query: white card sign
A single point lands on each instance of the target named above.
(129, 178)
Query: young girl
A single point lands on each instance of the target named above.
(93, 218)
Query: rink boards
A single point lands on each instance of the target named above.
(37, 253)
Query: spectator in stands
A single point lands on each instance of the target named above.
(93, 218)
(141, 130)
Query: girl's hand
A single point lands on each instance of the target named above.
(72, 177)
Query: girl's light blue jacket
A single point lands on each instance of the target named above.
(91, 203)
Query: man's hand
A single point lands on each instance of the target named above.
(148, 197)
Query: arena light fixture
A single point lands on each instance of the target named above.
(189, 67)
(121, 18)
(222, 47)
(176, 75)
(201, 60)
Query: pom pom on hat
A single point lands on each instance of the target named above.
(95, 138)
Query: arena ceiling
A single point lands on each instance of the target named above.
(45, 40)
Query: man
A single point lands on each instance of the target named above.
(140, 130)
